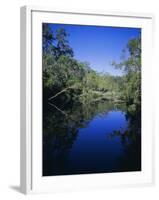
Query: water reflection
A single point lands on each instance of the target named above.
(89, 138)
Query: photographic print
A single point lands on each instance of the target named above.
(91, 99)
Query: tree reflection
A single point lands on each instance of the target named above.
(60, 130)
(61, 126)
(131, 142)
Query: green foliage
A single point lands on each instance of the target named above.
(131, 58)
(132, 79)
(47, 37)
(77, 81)
(63, 47)
(55, 44)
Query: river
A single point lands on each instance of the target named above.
(89, 138)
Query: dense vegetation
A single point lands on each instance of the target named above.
(67, 80)
(73, 94)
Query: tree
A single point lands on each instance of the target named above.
(47, 38)
(131, 61)
(131, 65)
(63, 47)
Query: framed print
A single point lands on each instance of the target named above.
(86, 100)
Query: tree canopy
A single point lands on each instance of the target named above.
(74, 80)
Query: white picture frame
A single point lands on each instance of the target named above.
(31, 100)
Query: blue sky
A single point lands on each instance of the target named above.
(98, 45)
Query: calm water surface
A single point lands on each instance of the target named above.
(91, 138)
